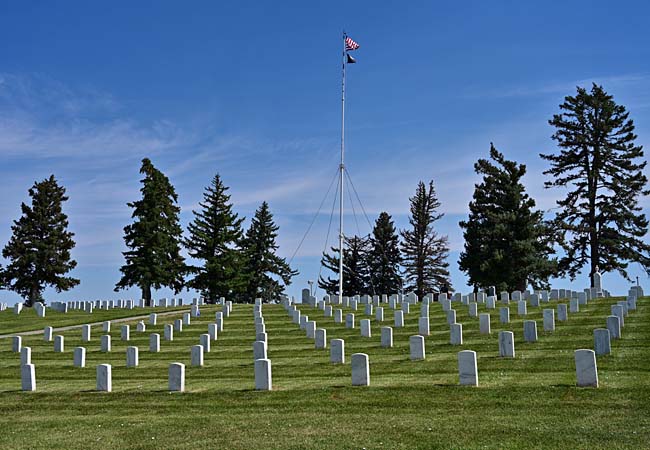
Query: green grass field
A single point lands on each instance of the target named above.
(530, 401)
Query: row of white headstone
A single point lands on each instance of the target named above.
(90, 305)
(480, 296)
(586, 372)
(104, 371)
(360, 366)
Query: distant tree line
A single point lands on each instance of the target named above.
(509, 244)
(382, 263)
(233, 264)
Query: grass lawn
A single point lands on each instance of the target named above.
(530, 401)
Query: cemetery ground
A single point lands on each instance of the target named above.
(528, 401)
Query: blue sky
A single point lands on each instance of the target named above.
(252, 90)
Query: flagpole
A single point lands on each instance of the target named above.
(341, 174)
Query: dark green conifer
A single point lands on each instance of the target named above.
(39, 248)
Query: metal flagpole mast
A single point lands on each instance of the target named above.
(341, 170)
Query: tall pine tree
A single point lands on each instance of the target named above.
(153, 258)
(39, 248)
(599, 220)
(424, 251)
(384, 257)
(507, 242)
(265, 272)
(355, 270)
(214, 238)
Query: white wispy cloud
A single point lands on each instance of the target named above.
(560, 87)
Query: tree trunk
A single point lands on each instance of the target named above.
(146, 295)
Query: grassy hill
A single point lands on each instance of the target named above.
(529, 401)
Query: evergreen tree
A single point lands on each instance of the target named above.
(153, 258)
(384, 257)
(355, 269)
(39, 248)
(507, 243)
(599, 220)
(261, 262)
(215, 237)
(424, 252)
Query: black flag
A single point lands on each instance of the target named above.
(351, 60)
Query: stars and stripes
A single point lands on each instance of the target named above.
(350, 44)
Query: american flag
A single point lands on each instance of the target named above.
(350, 44)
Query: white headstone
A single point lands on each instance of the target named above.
(456, 334)
(125, 333)
(522, 308)
(105, 343)
(259, 350)
(59, 344)
(506, 344)
(484, 323)
(473, 309)
(614, 327)
(104, 378)
(562, 312)
(360, 370)
(310, 329)
(530, 331)
(263, 378)
(25, 356)
(399, 318)
(602, 344)
(586, 369)
(205, 340)
(47, 334)
(582, 298)
(177, 377)
(349, 320)
(28, 377)
(365, 328)
(132, 357)
(534, 300)
(85, 333)
(197, 355)
(337, 351)
(417, 347)
(79, 357)
(379, 314)
(154, 343)
(212, 331)
(423, 326)
(467, 369)
(549, 319)
(16, 343)
(617, 310)
(504, 314)
(321, 338)
(451, 316)
(386, 337)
